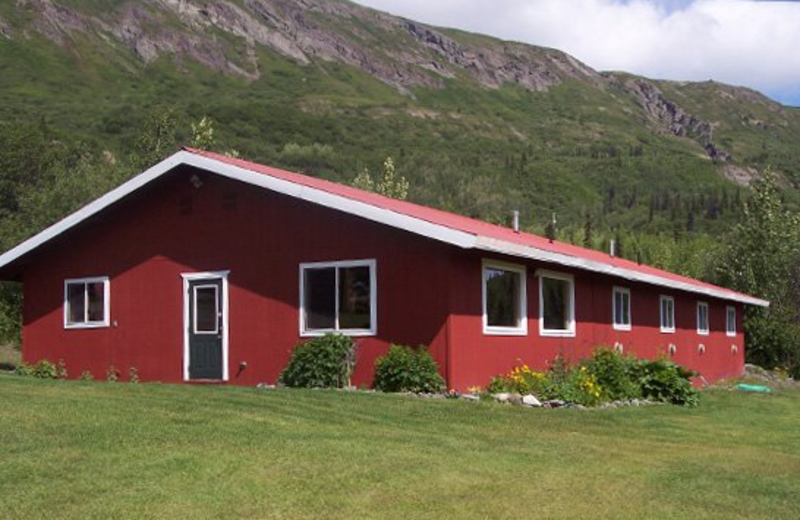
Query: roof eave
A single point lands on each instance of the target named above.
(518, 250)
(361, 209)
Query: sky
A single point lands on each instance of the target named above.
(750, 43)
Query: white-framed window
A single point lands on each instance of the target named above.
(730, 321)
(338, 297)
(702, 318)
(556, 304)
(86, 302)
(505, 310)
(621, 305)
(667, 306)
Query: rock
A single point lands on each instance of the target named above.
(580, 407)
(501, 398)
(670, 116)
(515, 399)
(554, 403)
(265, 386)
(470, 397)
(531, 400)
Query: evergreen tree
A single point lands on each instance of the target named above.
(551, 229)
(619, 249)
(588, 231)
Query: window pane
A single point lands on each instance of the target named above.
(76, 313)
(626, 308)
(622, 309)
(671, 313)
(354, 298)
(702, 318)
(95, 295)
(502, 298)
(320, 298)
(667, 314)
(555, 301)
(205, 301)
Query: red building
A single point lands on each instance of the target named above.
(206, 267)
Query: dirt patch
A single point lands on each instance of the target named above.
(743, 175)
(9, 357)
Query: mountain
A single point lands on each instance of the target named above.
(478, 125)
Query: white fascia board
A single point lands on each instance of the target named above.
(518, 250)
(94, 207)
(331, 200)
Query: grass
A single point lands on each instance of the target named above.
(100, 450)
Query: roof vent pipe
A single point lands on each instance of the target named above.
(612, 248)
(515, 221)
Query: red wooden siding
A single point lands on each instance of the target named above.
(428, 292)
(477, 357)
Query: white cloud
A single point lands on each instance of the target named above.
(742, 42)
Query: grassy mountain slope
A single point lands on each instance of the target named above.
(478, 125)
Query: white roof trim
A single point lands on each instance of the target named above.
(518, 250)
(361, 209)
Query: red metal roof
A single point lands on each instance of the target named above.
(462, 223)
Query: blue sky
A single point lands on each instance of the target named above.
(741, 42)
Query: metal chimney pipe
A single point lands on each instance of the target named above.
(515, 221)
(613, 248)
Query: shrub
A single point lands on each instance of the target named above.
(133, 375)
(499, 385)
(42, 370)
(665, 381)
(87, 376)
(606, 376)
(112, 374)
(407, 369)
(61, 369)
(615, 373)
(527, 381)
(324, 362)
(581, 387)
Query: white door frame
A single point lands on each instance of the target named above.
(193, 277)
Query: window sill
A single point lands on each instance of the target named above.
(667, 331)
(702, 333)
(623, 328)
(557, 333)
(728, 334)
(79, 326)
(502, 331)
(351, 333)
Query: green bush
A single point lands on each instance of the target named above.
(407, 369)
(324, 362)
(606, 376)
(580, 386)
(43, 370)
(665, 381)
(615, 373)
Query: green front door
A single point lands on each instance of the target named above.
(205, 328)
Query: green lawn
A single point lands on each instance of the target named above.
(105, 450)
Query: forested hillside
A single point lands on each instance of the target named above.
(477, 125)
